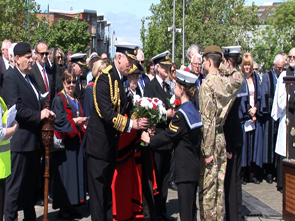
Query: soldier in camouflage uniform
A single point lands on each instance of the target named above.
(216, 96)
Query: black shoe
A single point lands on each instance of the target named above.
(50, 200)
(254, 180)
(243, 181)
(156, 218)
(165, 217)
(269, 178)
(172, 186)
(65, 216)
(280, 189)
(40, 203)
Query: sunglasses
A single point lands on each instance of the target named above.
(59, 57)
(73, 81)
(255, 69)
(43, 53)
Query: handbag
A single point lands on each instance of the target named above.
(58, 144)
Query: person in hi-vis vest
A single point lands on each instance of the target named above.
(5, 161)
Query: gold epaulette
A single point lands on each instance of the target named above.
(120, 122)
(114, 94)
(107, 69)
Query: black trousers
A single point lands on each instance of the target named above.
(233, 186)
(2, 198)
(100, 176)
(20, 185)
(162, 160)
(280, 171)
(172, 167)
(187, 194)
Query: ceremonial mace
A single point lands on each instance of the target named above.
(47, 138)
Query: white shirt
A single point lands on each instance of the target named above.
(279, 112)
(6, 62)
(41, 71)
(35, 90)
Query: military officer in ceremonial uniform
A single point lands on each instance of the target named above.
(162, 156)
(216, 96)
(106, 122)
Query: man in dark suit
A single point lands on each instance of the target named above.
(42, 73)
(4, 60)
(162, 156)
(106, 122)
(20, 89)
(78, 62)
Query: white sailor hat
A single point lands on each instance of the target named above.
(92, 58)
(79, 58)
(231, 51)
(128, 49)
(162, 58)
(186, 78)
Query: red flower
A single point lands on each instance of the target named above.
(139, 102)
(150, 100)
(177, 102)
(156, 100)
(155, 106)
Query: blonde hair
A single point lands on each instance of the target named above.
(97, 68)
(247, 59)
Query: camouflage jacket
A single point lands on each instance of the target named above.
(216, 96)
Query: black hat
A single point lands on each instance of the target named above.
(22, 48)
(162, 58)
(128, 49)
(212, 49)
(136, 69)
(79, 58)
(231, 51)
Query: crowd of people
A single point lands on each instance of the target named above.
(222, 136)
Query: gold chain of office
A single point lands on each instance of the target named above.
(115, 95)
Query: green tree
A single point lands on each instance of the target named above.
(206, 22)
(275, 36)
(68, 35)
(14, 19)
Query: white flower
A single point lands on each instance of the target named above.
(172, 100)
(136, 98)
(144, 102)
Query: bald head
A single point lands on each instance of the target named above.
(5, 46)
(291, 58)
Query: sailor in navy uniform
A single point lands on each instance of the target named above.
(185, 132)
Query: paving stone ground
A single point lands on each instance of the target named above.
(264, 192)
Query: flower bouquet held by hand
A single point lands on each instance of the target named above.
(151, 108)
(174, 103)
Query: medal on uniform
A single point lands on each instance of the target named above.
(78, 113)
(292, 131)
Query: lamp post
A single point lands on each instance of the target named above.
(173, 32)
(183, 23)
(29, 37)
(113, 43)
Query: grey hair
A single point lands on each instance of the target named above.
(5, 43)
(279, 57)
(196, 55)
(190, 48)
(139, 51)
(10, 50)
(116, 55)
(156, 68)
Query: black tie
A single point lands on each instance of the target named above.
(164, 86)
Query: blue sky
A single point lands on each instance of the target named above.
(125, 15)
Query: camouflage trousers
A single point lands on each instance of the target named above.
(212, 182)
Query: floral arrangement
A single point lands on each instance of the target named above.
(151, 108)
(173, 102)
